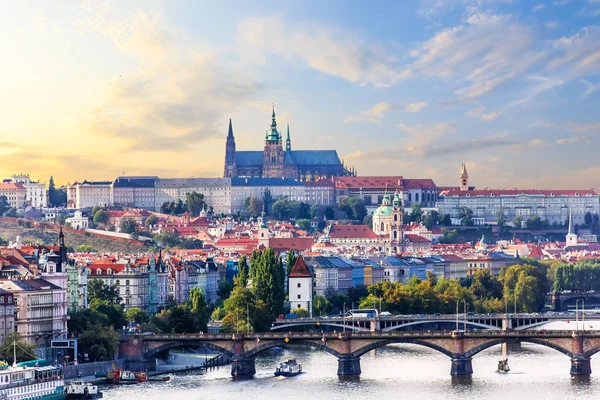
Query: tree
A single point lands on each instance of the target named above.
(128, 226)
(96, 209)
(51, 191)
(199, 308)
(137, 315)
(242, 277)
(588, 219)
(329, 213)
(536, 223)
(354, 208)
(290, 261)
(303, 224)
(97, 290)
(321, 306)
(25, 350)
(268, 281)
(100, 217)
(267, 201)
(302, 312)
(113, 312)
(446, 220)
(368, 220)
(225, 288)
(500, 218)
(4, 206)
(518, 222)
(150, 221)
(194, 203)
(315, 211)
(254, 206)
(415, 212)
(466, 216)
(450, 236)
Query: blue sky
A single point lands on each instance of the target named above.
(93, 89)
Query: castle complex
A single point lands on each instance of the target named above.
(275, 161)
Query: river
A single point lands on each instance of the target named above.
(393, 372)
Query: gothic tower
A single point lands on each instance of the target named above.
(230, 169)
(396, 232)
(571, 239)
(464, 178)
(273, 154)
(288, 142)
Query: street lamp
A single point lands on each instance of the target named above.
(465, 313)
(344, 318)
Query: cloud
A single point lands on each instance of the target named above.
(584, 128)
(334, 52)
(484, 53)
(577, 55)
(468, 146)
(537, 142)
(480, 113)
(376, 113)
(552, 24)
(542, 124)
(490, 116)
(589, 87)
(541, 85)
(574, 139)
(538, 7)
(154, 109)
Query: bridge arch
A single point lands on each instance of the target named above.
(365, 349)
(281, 343)
(478, 349)
(173, 345)
(461, 324)
(591, 352)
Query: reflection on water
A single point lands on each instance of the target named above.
(395, 371)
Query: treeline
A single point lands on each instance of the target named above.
(580, 277)
(193, 205)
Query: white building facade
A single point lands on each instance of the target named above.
(36, 194)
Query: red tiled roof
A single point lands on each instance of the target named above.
(300, 270)
(104, 267)
(416, 238)
(380, 182)
(515, 192)
(352, 231)
(419, 184)
(11, 186)
(298, 244)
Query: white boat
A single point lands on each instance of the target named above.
(288, 368)
(79, 389)
(43, 383)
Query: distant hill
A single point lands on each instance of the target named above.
(46, 233)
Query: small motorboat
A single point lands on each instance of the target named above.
(122, 377)
(288, 368)
(79, 389)
(159, 378)
(503, 366)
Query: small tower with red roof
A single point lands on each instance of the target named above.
(300, 286)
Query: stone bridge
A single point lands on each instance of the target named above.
(348, 347)
(429, 322)
(566, 301)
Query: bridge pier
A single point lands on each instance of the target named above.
(348, 366)
(242, 367)
(461, 367)
(580, 365)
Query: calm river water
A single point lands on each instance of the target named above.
(392, 372)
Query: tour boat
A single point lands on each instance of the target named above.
(122, 377)
(79, 389)
(159, 378)
(503, 366)
(288, 368)
(43, 383)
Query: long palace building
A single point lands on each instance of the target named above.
(275, 161)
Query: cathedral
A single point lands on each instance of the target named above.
(275, 161)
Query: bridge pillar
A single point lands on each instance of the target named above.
(242, 367)
(348, 366)
(556, 302)
(580, 365)
(461, 366)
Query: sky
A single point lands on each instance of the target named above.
(96, 89)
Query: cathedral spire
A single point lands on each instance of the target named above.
(230, 132)
(273, 122)
(288, 141)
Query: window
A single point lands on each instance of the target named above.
(2, 300)
(127, 282)
(299, 296)
(395, 217)
(299, 285)
(382, 227)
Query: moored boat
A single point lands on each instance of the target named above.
(503, 366)
(159, 378)
(79, 389)
(288, 368)
(43, 383)
(122, 377)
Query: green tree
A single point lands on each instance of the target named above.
(354, 208)
(254, 206)
(242, 277)
(51, 191)
(416, 213)
(96, 209)
(99, 341)
(267, 201)
(466, 216)
(451, 236)
(199, 308)
(100, 217)
(4, 206)
(290, 261)
(501, 218)
(98, 290)
(321, 306)
(303, 224)
(315, 211)
(268, 281)
(113, 312)
(128, 226)
(244, 312)
(329, 213)
(194, 203)
(25, 351)
(150, 221)
(137, 315)
(588, 219)
(518, 222)
(224, 289)
(302, 312)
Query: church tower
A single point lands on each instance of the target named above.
(571, 236)
(396, 232)
(288, 141)
(464, 178)
(273, 155)
(230, 169)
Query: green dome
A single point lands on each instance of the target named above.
(383, 210)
